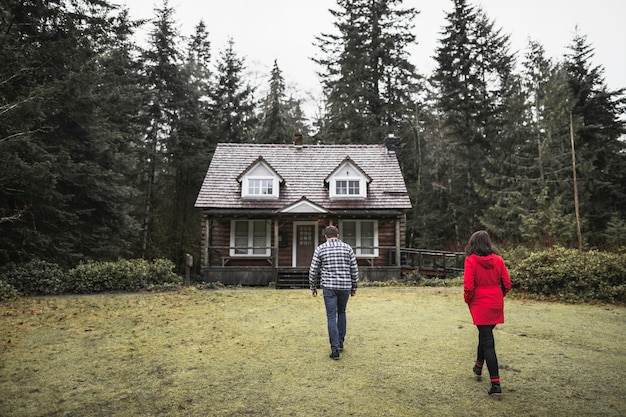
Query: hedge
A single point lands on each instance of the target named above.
(39, 277)
(571, 275)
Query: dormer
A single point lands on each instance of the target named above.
(347, 181)
(260, 181)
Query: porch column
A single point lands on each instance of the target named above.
(398, 257)
(275, 247)
(207, 239)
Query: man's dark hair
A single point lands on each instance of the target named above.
(331, 231)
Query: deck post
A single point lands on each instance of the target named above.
(398, 255)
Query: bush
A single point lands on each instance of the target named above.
(123, 275)
(36, 277)
(7, 292)
(572, 275)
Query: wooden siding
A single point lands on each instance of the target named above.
(216, 238)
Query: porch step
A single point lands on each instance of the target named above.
(292, 279)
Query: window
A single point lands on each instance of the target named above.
(260, 187)
(347, 181)
(250, 238)
(260, 182)
(362, 235)
(348, 187)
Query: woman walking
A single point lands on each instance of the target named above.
(486, 281)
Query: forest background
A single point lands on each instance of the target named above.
(104, 144)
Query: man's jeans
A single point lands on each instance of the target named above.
(336, 302)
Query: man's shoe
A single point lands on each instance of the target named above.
(495, 392)
(478, 372)
(341, 347)
(334, 355)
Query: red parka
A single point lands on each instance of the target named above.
(483, 280)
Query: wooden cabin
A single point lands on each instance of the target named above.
(264, 207)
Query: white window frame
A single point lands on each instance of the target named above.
(247, 182)
(249, 250)
(362, 187)
(358, 251)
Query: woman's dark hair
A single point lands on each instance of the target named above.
(479, 244)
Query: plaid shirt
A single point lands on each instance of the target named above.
(335, 263)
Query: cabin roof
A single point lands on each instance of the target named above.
(304, 171)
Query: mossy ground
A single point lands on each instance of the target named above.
(264, 352)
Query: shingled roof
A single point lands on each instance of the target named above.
(304, 170)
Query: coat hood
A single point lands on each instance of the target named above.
(487, 262)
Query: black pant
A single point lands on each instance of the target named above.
(487, 349)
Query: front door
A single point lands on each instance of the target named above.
(304, 244)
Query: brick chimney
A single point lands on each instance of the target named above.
(297, 139)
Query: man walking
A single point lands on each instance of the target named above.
(334, 264)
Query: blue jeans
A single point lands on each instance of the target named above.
(336, 302)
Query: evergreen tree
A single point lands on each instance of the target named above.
(281, 117)
(189, 150)
(232, 105)
(274, 117)
(530, 179)
(600, 148)
(166, 83)
(367, 78)
(473, 70)
(64, 166)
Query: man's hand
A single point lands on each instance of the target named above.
(314, 293)
(352, 293)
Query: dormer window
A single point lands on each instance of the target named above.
(347, 187)
(261, 186)
(347, 181)
(260, 181)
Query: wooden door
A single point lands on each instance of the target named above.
(305, 244)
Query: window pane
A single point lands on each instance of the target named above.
(241, 237)
(349, 233)
(353, 187)
(259, 237)
(266, 188)
(341, 187)
(367, 238)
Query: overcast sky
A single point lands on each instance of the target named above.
(285, 30)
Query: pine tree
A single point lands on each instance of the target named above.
(166, 83)
(281, 117)
(189, 150)
(600, 150)
(232, 105)
(64, 166)
(274, 113)
(528, 180)
(367, 77)
(473, 69)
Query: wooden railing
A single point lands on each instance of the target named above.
(430, 262)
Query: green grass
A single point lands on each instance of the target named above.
(264, 352)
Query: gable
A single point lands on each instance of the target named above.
(260, 181)
(348, 180)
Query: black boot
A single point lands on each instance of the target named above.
(478, 371)
(495, 391)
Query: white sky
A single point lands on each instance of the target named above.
(285, 30)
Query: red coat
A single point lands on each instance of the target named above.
(482, 280)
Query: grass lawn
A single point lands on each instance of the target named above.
(264, 352)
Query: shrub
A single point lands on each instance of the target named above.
(7, 292)
(123, 275)
(35, 277)
(572, 275)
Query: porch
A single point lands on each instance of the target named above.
(265, 270)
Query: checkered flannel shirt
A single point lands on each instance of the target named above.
(334, 264)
